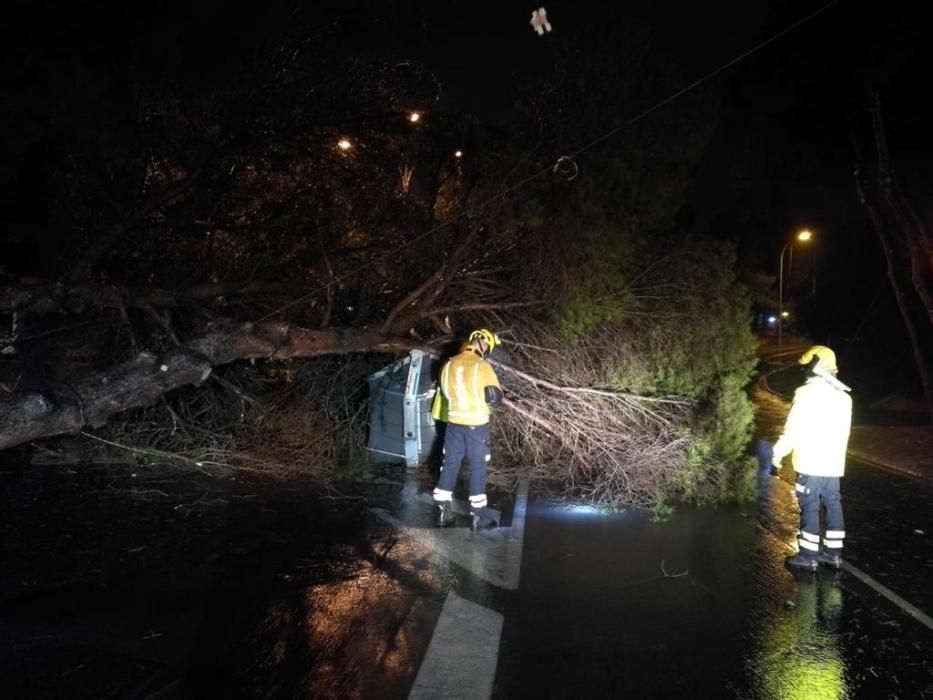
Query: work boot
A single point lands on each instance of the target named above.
(481, 522)
(445, 515)
(830, 557)
(806, 562)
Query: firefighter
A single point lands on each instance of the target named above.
(468, 389)
(816, 434)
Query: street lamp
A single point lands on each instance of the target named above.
(803, 236)
(414, 117)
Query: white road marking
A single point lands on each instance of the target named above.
(907, 607)
(461, 659)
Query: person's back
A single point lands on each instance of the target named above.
(816, 435)
(463, 382)
(824, 416)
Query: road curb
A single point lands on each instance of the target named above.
(904, 471)
(763, 382)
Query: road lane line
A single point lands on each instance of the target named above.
(461, 658)
(907, 607)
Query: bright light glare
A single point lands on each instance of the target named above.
(585, 510)
(414, 117)
(458, 154)
(582, 514)
(344, 144)
(785, 314)
(772, 319)
(805, 235)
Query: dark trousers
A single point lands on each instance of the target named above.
(471, 442)
(812, 492)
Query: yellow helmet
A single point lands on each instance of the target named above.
(487, 336)
(826, 357)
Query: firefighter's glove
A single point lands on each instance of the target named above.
(493, 395)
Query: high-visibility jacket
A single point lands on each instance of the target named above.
(461, 398)
(816, 432)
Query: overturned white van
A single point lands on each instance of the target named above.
(401, 428)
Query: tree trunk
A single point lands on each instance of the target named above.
(908, 243)
(91, 401)
(925, 379)
(913, 233)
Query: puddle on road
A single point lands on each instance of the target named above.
(699, 606)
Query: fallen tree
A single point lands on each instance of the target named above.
(577, 442)
(611, 418)
(336, 227)
(92, 400)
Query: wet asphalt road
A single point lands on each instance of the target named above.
(241, 591)
(702, 605)
(291, 598)
(598, 617)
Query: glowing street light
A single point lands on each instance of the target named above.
(458, 154)
(414, 117)
(344, 145)
(803, 236)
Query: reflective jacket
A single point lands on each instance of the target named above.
(816, 432)
(462, 383)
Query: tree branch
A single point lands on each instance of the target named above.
(435, 284)
(537, 381)
(54, 297)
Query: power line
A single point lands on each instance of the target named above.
(712, 74)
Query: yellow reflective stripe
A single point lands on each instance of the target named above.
(444, 376)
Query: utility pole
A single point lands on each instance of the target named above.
(803, 236)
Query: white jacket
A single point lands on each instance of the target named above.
(817, 429)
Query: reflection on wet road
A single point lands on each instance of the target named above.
(244, 592)
(597, 615)
(597, 612)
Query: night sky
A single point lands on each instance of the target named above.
(781, 158)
